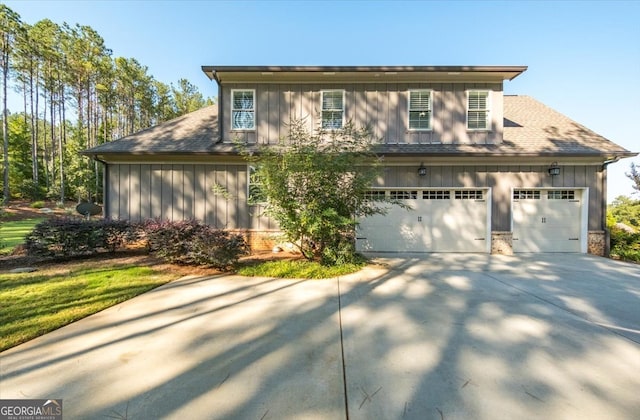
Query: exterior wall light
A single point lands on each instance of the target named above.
(422, 171)
(554, 169)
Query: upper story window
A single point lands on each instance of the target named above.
(420, 110)
(243, 109)
(478, 108)
(332, 109)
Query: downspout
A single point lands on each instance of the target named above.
(105, 190)
(607, 233)
(220, 107)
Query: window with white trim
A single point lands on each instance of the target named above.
(243, 109)
(420, 110)
(478, 110)
(332, 109)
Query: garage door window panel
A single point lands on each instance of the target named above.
(436, 195)
(403, 195)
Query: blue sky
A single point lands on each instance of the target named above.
(583, 57)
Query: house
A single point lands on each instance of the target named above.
(483, 171)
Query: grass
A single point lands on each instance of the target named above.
(297, 269)
(36, 303)
(13, 233)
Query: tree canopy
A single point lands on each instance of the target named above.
(315, 184)
(634, 176)
(75, 95)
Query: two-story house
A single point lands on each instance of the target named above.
(483, 171)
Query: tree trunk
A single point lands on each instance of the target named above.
(45, 146)
(52, 115)
(34, 133)
(62, 140)
(5, 125)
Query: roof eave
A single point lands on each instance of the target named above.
(234, 152)
(266, 74)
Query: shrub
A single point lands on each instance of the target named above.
(74, 237)
(625, 245)
(341, 251)
(190, 242)
(37, 205)
(28, 189)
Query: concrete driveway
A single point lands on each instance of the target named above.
(438, 336)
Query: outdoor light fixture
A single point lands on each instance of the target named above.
(554, 169)
(422, 171)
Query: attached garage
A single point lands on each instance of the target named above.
(434, 220)
(549, 220)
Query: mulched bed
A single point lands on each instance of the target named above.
(20, 210)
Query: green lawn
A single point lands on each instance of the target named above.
(33, 304)
(13, 233)
(297, 269)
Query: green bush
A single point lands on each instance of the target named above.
(190, 242)
(625, 245)
(28, 189)
(37, 205)
(62, 238)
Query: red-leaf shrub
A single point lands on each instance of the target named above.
(190, 242)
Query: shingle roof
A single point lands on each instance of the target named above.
(530, 129)
(196, 132)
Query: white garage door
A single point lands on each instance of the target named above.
(547, 220)
(438, 221)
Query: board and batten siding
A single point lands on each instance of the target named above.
(139, 192)
(502, 180)
(382, 106)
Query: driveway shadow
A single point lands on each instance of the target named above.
(481, 336)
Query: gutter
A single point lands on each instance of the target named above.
(212, 74)
(221, 122)
(95, 157)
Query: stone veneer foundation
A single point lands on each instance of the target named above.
(597, 242)
(502, 243)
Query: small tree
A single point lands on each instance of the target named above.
(635, 177)
(315, 184)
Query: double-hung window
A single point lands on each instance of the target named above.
(420, 110)
(332, 109)
(243, 109)
(478, 109)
